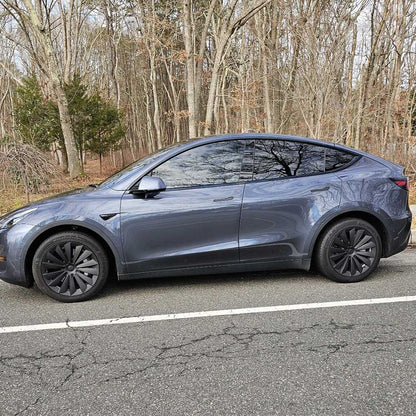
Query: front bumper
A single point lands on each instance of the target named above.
(13, 248)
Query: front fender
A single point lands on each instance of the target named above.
(110, 234)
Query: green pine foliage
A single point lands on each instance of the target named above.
(97, 124)
(37, 119)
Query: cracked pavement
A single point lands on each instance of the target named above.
(347, 360)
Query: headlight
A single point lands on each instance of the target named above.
(13, 218)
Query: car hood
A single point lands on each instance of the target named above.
(50, 199)
(65, 195)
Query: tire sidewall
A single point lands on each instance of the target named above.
(75, 237)
(322, 257)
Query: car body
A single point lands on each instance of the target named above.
(242, 202)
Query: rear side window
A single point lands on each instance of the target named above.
(336, 159)
(275, 159)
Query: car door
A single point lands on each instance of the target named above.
(195, 221)
(289, 194)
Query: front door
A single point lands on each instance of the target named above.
(193, 223)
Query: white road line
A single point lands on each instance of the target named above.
(203, 314)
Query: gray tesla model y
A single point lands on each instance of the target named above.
(221, 204)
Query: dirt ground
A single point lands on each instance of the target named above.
(14, 197)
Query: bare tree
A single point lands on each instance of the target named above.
(227, 27)
(36, 20)
(24, 164)
(339, 70)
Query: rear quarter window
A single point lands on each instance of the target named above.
(337, 159)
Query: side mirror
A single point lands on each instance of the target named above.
(149, 186)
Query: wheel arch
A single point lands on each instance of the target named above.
(363, 215)
(113, 258)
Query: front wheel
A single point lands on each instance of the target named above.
(349, 251)
(70, 267)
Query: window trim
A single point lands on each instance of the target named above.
(215, 185)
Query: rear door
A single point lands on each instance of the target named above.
(289, 193)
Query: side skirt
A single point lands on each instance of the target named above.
(301, 264)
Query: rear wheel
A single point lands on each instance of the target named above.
(349, 250)
(70, 267)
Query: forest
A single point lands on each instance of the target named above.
(83, 81)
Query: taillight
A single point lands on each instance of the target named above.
(402, 183)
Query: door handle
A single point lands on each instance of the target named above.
(325, 188)
(230, 198)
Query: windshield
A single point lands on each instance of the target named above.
(138, 164)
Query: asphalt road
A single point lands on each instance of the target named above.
(343, 360)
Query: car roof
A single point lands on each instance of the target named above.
(260, 136)
(302, 139)
(264, 136)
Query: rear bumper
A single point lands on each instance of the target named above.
(400, 236)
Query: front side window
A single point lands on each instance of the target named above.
(275, 159)
(210, 164)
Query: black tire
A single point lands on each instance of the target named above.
(70, 267)
(348, 251)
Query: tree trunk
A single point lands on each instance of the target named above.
(190, 68)
(350, 90)
(156, 110)
(51, 69)
(209, 114)
(74, 162)
(64, 159)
